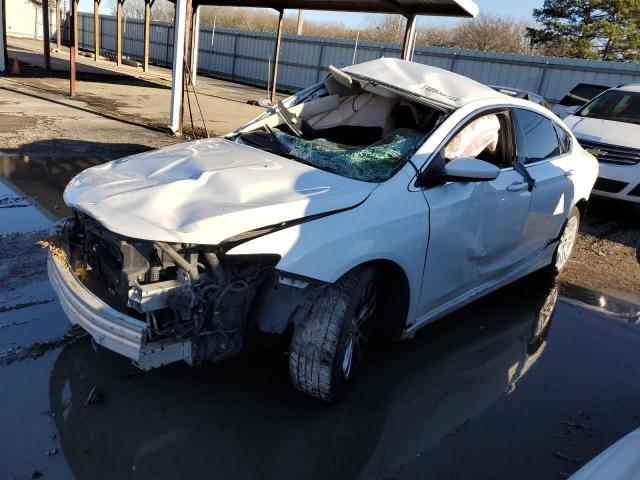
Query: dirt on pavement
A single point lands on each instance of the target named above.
(604, 257)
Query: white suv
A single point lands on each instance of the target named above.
(609, 128)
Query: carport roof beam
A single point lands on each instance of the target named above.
(46, 37)
(449, 8)
(4, 59)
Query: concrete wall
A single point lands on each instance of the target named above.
(244, 56)
(24, 18)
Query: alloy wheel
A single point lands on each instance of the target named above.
(567, 241)
(357, 338)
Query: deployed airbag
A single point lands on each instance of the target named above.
(373, 163)
(473, 139)
(364, 110)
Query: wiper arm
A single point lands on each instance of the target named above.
(275, 138)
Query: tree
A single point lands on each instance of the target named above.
(598, 29)
(161, 10)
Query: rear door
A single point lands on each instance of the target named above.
(544, 149)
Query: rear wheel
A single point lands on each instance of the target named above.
(566, 243)
(326, 350)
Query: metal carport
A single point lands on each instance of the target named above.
(187, 13)
(410, 9)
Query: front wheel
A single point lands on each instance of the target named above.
(566, 243)
(327, 348)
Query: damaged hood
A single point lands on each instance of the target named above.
(206, 191)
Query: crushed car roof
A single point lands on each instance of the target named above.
(435, 84)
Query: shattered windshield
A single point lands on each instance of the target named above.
(346, 129)
(372, 163)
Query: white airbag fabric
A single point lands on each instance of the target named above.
(364, 110)
(473, 139)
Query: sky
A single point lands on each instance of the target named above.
(520, 9)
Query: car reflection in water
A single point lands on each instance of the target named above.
(237, 421)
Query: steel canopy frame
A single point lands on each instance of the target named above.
(4, 58)
(410, 9)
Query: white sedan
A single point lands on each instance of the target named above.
(375, 202)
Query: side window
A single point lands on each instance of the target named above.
(540, 139)
(488, 137)
(564, 139)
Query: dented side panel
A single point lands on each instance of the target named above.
(379, 229)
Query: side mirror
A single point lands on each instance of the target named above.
(470, 170)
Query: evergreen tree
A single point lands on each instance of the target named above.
(597, 29)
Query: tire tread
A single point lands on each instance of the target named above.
(314, 342)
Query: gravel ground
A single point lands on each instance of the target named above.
(604, 256)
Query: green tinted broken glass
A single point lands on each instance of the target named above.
(373, 163)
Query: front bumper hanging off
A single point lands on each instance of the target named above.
(107, 326)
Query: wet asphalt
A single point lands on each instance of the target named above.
(528, 383)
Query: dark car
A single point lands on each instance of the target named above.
(524, 94)
(579, 95)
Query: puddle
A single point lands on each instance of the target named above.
(532, 364)
(523, 366)
(18, 213)
(43, 178)
(624, 305)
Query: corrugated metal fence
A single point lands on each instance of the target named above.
(245, 56)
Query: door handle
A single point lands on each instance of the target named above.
(569, 173)
(518, 187)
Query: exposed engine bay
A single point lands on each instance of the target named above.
(182, 291)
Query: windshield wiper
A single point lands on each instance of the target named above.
(277, 141)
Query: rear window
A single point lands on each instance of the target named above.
(540, 140)
(617, 105)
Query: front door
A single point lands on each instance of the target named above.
(476, 228)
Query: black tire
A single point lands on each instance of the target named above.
(326, 349)
(560, 260)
